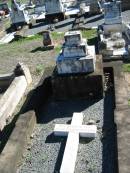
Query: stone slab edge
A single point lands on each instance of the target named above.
(121, 117)
(12, 152)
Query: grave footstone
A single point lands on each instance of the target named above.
(47, 40)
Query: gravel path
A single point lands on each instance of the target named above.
(44, 155)
(92, 21)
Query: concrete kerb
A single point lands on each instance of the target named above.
(12, 96)
(12, 153)
(122, 121)
(20, 128)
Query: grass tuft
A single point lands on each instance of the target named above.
(57, 35)
(58, 49)
(39, 69)
(89, 34)
(126, 67)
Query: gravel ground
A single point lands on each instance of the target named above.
(44, 154)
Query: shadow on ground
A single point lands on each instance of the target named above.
(41, 97)
(41, 49)
(109, 139)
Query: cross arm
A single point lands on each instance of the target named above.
(83, 130)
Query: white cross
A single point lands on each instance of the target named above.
(73, 130)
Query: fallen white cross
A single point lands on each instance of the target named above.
(74, 131)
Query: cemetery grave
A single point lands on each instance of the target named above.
(46, 150)
(76, 117)
(111, 33)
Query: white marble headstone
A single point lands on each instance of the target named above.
(112, 12)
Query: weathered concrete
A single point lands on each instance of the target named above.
(11, 98)
(122, 120)
(14, 93)
(76, 56)
(12, 153)
(22, 69)
(121, 117)
(88, 85)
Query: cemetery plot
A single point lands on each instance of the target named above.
(113, 44)
(46, 150)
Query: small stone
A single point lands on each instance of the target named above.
(98, 121)
(29, 148)
(32, 136)
(91, 122)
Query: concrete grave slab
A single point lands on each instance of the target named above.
(12, 153)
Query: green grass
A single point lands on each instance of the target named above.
(126, 67)
(39, 69)
(15, 43)
(35, 37)
(57, 35)
(89, 34)
(58, 49)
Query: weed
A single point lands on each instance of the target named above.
(57, 35)
(58, 49)
(126, 67)
(39, 69)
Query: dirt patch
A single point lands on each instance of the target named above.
(26, 51)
